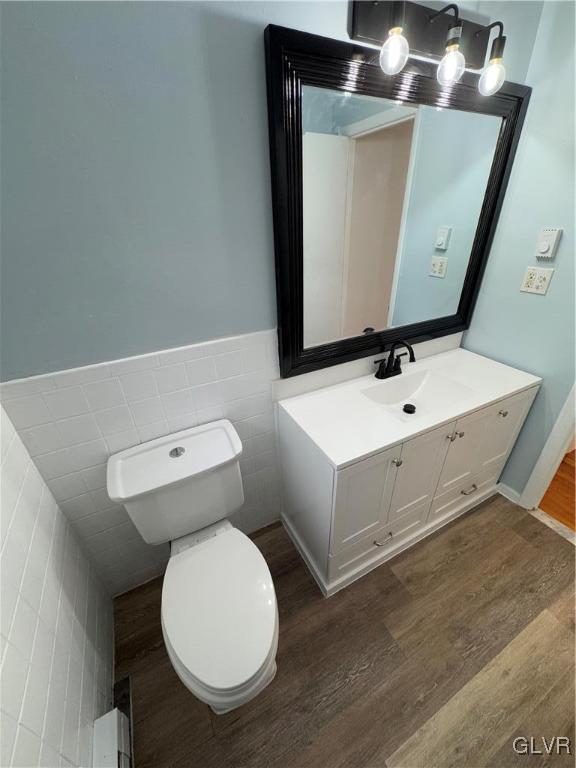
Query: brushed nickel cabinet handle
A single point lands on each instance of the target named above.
(460, 434)
(383, 543)
(451, 437)
(467, 493)
(397, 462)
(503, 413)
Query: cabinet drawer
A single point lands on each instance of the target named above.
(468, 490)
(388, 536)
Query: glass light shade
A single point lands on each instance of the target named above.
(451, 68)
(394, 53)
(492, 78)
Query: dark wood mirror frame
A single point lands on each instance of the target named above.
(295, 59)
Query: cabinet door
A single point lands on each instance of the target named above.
(502, 428)
(417, 476)
(362, 499)
(463, 457)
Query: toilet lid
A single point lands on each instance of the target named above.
(219, 610)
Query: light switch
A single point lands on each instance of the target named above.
(443, 238)
(536, 280)
(438, 266)
(547, 242)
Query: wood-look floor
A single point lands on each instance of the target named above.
(560, 499)
(438, 658)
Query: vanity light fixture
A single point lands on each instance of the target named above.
(394, 53)
(451, 67)
(494, 73)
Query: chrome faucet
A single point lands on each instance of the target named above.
(392, 366)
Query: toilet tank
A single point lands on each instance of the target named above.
(178, 484)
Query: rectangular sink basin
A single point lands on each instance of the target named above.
(427, 390)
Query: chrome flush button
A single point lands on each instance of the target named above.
(175, 453)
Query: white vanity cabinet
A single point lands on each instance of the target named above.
(479, 446)
(346, 520)
(393, 489)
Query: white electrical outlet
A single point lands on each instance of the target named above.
(438, 266)
(536, 280)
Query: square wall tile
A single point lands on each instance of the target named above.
(95, 477)
(229, 364)
(27, 411)
(171, 378)
(78, 506)
(200, 371)
(104, 394)
(178, 403)
(152, 431)
(89, 454)
(207, 396)
(114, 420)
(102, 500)
(122, 441)
(138, 386)
(78, 429)
(147, 411)
(55, 464)
(67, 402)
(68, 486)
(42, 439)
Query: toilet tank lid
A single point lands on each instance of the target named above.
(171, 459)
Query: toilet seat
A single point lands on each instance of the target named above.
(220, 619)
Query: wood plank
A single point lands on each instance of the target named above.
(560, 499)
(488, 710)
(137, 628)
(554, 716)
(374, 726)
(448, 556)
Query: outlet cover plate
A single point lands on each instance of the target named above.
(438, 266)
(537, 280)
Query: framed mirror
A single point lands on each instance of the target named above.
(386, 194)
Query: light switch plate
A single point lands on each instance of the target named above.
(536, 280)
(547, 242)
(443, 238)
(438, 266)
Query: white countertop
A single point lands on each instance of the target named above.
(348, 426)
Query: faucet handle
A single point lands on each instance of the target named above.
(398, 362)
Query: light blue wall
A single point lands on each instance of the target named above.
(136, 210)
(536, 333)
(454, 152)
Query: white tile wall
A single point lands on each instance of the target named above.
(72, 421)
(56, 619)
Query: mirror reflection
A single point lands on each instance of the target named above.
(391, 200)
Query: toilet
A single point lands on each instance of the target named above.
(219, 610)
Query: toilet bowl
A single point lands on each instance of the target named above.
(219, 612)
(219, 618)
